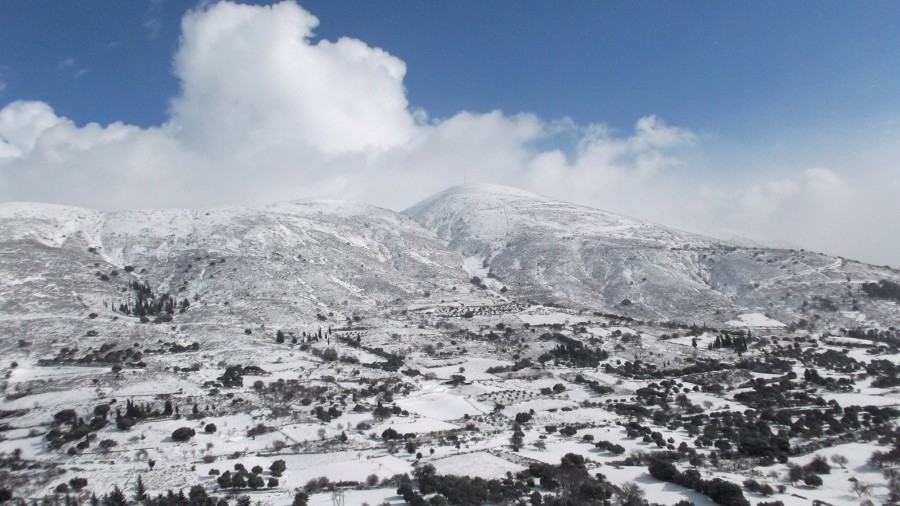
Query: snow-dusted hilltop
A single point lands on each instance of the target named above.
(546, 250)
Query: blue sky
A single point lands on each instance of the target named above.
(748, 69)
(765, 102)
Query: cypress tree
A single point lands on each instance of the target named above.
(140, 492)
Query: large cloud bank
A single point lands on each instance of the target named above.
(264, 114)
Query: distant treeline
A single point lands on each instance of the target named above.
(883, 289)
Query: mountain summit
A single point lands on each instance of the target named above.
(552, 251)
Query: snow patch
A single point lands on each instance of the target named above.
(755, 320)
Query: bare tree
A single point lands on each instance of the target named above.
(839, 460)
(861, 488)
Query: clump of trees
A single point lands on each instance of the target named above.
(196, 496)
(259, 429)
(478, 282)
(146, 304)
(809, 473)
(719, 491)
(613, 448)
(182, 434)
(760, 488)
(241, 478)
(883, 289)
(233, 377)
(568, 483)
(573, 351)
(889, 458)
(886, 372)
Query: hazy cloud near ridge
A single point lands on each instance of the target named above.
(265, 114)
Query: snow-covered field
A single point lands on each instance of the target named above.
(476, 464)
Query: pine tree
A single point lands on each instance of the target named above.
(197, 496)
(140, 492)
(115, 498)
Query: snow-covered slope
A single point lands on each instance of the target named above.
(278, 265)
(544, 249)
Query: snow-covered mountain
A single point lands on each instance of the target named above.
(290, 264)
(546, 250)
